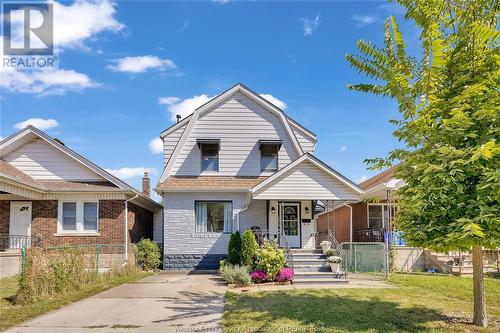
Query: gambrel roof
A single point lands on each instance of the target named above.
(189, 122)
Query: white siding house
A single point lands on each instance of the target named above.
(237, 163)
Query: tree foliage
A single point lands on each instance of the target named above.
(449, 101)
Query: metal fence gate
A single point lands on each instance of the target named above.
(365, 260)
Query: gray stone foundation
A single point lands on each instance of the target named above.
(183, 262)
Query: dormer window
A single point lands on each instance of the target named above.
(269, 150)
(209, 154)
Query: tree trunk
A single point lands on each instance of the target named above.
(480, 318)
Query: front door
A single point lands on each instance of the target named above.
(290, 223)
(20, 224)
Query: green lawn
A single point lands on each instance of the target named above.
(11, 314)
(419, 303)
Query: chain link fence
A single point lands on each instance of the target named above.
(365, 260)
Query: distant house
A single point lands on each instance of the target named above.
(53, 196)
(367, 219)
(236, 163)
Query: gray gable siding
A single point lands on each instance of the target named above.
(239, 123)
(170, 142)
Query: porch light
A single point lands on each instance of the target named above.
(306, 210)
(273, 210)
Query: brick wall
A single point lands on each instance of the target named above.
(4, 216)
(140, 223)
(338, 223)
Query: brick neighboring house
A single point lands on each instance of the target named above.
(367, 219)
(52, 196)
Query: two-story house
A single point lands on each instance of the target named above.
(239, 162)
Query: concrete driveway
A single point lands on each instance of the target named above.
(166, 302)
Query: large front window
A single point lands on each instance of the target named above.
(213, 216)
(78, 216)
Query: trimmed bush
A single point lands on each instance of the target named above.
(249, 248)
(234, 249)
(148, 254)
(237, 275)
(270, 259)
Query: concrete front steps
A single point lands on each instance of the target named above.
(310, 267)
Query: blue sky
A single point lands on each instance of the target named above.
(120, 61)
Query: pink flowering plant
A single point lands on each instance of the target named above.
(258, 276)
(285, 274)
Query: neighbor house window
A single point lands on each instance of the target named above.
(209, 154)
(69, 216)
(378, 216)
(78, 216)
(269, 150)
(214, 216)
(90, 216)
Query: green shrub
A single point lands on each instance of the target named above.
(249, 249)
(148, 254)
(237, 275)
(330, 252)
(234, 249)
(270, 259)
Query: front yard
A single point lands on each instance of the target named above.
(417, 303)
(12, 314)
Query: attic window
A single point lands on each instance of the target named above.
(269, 150)
(209, 154)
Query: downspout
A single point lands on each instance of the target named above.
(350, 222)
(126, 225)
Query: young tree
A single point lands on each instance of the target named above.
(449, 124)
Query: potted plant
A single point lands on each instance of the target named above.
(325, 246)
(334, 262)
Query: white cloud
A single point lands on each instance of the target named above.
(279, 103)
(310, 26)
(156, 146)
(362, 20)
(41, 124)
(80, 21)
(183, 107)
(221, 2)
(53, 82)
(361, 179)
(126, 173)
(141, 64)
(342, 148)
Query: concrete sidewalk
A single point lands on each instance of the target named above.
(166, 302)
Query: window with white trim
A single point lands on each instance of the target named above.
(78, 216)
(213, 216)
(378, 216)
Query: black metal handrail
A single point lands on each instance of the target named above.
(370, 235)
